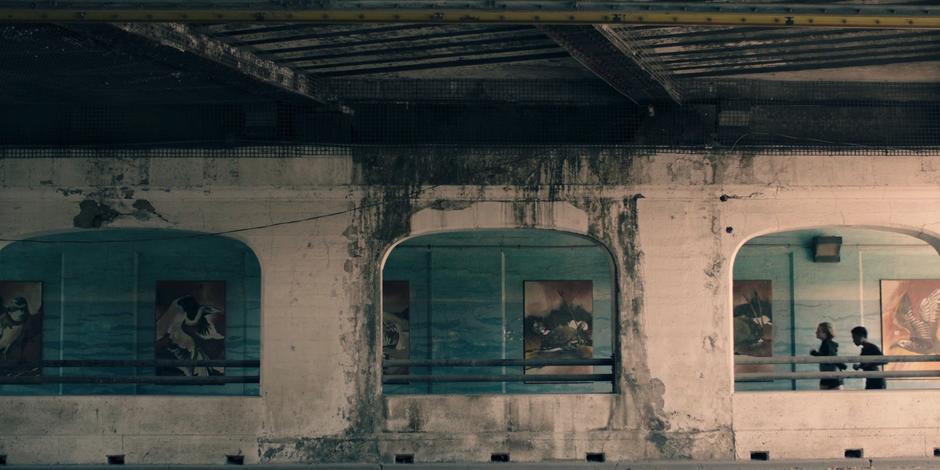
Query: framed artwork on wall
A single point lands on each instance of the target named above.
(190, 325)
(558, 323)
(910, 309)
(752, 318)
(21, 326)
(396, 326)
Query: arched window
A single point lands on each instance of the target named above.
(471, 312)
(787, 283)
(100, 307)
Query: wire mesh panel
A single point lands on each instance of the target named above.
(70, 90)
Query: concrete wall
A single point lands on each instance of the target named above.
(671, 236)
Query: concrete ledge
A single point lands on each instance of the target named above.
(841, 464)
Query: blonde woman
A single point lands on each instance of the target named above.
(828, 347)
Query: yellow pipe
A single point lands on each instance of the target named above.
(63, 15)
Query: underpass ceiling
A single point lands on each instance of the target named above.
(737, 85)
(409, 84)
(524, 52)
(101, 63)
(405, 50)
(794, 53)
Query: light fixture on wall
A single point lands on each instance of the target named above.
(826, 249)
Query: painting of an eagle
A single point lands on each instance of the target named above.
(752, 319)
(190, 325)
(910, 317)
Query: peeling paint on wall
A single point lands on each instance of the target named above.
(93, 214)
(144, 210)
(96, 211)
(634, 423)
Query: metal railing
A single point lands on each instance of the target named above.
(765, 376)
(562, 378)
(7, 367)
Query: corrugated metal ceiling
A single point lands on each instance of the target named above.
(522, 51)
(695, 52)
(397, 50)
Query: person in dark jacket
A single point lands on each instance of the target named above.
(860, 338)
(828, 347)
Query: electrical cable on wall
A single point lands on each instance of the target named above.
(496, 167)
(413, 195)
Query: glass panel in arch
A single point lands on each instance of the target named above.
(877, 268)
(99, 289)
(466, 306)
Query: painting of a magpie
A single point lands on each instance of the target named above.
(20, 325)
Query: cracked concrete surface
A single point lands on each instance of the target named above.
(661, 217)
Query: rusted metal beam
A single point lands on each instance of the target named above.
(927, 54)
(617, 61)
(184, 38)
(481, 11)
(627, 43)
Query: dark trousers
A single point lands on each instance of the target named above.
(875, 384)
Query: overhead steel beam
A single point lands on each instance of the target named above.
(857, 60)
(477, 11)
(627, 43)
(184, 38)
(616, 61)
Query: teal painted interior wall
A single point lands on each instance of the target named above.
(466, 291)
(846, 294)
(98, 301)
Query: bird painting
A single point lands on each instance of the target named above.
(910, 319)
(558, 324)
(13, 324)
(20, 326)
(920, 323)
(752, 318)
(190, 330)
(396, 329)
